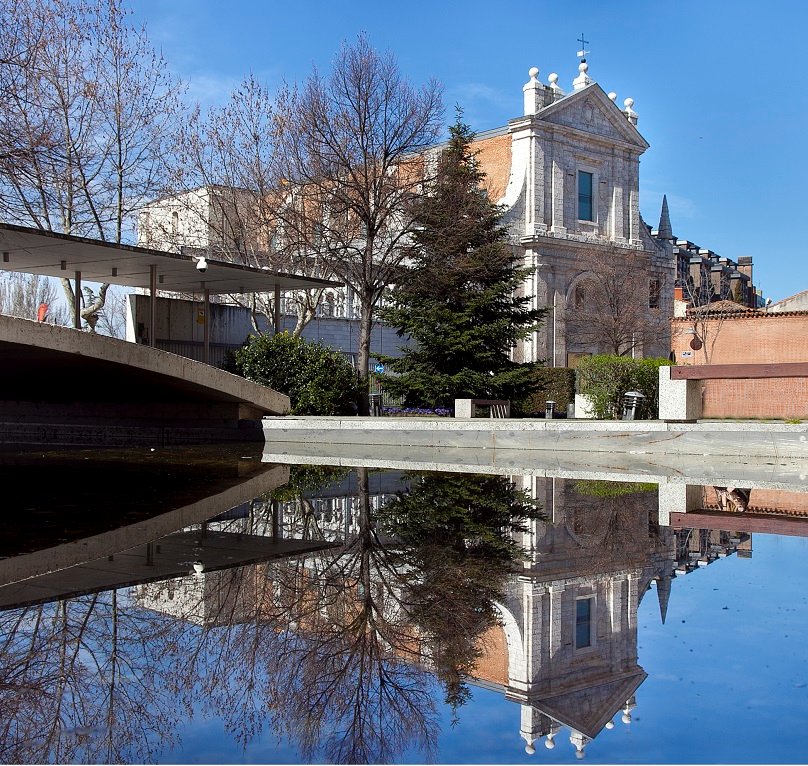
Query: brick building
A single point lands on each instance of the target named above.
(733, 334)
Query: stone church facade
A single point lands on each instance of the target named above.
(567, 171)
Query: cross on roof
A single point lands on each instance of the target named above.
(582, 53)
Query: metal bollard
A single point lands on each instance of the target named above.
(549, 409)
(631, 403)
(376, 404)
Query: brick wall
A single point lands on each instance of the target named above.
(492, 666)
(756, 338)
(494, 156)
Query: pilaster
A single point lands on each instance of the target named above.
(558, 195)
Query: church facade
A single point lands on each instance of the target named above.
(567, 172)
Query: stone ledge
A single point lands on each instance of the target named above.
(766, 440)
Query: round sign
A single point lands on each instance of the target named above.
(379, 367)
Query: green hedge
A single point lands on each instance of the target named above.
(317, 379)
(605, 379)
(555, 384)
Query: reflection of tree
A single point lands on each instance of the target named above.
(454, 535)
(78, 683)
(339, 650)
(612, 520)
(304, 481)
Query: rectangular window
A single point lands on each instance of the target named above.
(585, 207)
(583, 622)
(654, 288)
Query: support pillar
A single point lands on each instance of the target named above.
(206, 328)
(77, 303)
(152, 304)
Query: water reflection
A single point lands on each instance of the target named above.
(324, 610)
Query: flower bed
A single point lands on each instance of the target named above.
(416, 412)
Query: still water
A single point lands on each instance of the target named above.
(189, 605)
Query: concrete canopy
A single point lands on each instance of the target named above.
(34, 251)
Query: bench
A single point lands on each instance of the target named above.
(469, 408)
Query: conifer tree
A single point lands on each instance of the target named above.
(458, 298)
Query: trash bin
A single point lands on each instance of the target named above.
(375, 404)
(631, 404)
(549, 409)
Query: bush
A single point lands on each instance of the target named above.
(556, 384)
(605, 379)
(317, 379)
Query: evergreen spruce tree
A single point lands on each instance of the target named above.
(458, 296)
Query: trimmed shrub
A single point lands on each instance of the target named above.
(605, 379)
(317, 379)
(556, 384)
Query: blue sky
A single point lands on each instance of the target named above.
(718, 87)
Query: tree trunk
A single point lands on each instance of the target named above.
(363, 355)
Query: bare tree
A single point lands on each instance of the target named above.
(87, 109)
(701, 314)
(352, 153)
(111, 319)
(22, 295)
(617, 307)
(226, 183)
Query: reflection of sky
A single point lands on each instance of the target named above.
(728, 681)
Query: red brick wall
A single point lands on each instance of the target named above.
(493, 663)
(494, 156)
(749, 339)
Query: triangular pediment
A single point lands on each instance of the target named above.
(589, 707)
(592, 111)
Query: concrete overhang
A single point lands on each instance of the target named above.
(54, 374)
(33, 251)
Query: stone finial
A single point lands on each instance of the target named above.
(629, 706)
(583, 79)
(554, 86)
(665, 230)
(580, 741)
(612, 96)
(534, 92)
(629, 112)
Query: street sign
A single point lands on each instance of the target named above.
(379, 368)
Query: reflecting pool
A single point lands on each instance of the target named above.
(212, 605)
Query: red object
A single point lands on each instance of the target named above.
(42, 312)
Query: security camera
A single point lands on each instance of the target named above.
(202, 265)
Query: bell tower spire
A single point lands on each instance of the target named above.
(664, 230)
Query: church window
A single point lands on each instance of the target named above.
(175, 222)
(586, 211)
(579, 298)
(583, 622)
(654, 289)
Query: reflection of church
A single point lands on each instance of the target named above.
(567, 649)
